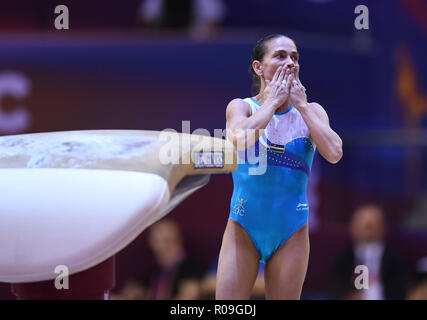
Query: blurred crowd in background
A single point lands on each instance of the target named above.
(179, 275)
(151, 64)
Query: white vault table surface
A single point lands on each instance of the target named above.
(75, 198)
(92, 149)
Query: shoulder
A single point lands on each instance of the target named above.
(238, 103)
(319, 110)
(238, 106)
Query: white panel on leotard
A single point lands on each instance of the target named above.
(283, 128)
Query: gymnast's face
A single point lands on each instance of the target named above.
(280, 51)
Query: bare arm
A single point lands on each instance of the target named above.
(315, 117)
(243, 129)
(327, 140)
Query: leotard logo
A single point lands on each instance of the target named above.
(302, 206)
(238, 208)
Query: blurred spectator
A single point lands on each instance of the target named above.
(388, 276)
(198, 16)
(208, 285)
(177, 274)
(418, 289)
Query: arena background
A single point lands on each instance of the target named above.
(109, 72)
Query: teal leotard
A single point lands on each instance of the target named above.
(273, 205)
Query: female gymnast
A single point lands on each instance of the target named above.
(268, 218)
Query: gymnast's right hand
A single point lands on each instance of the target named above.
(278, 89)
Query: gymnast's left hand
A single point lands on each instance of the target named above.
(297, 92)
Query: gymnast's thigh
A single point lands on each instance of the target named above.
(285, 271)
(238, 264)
